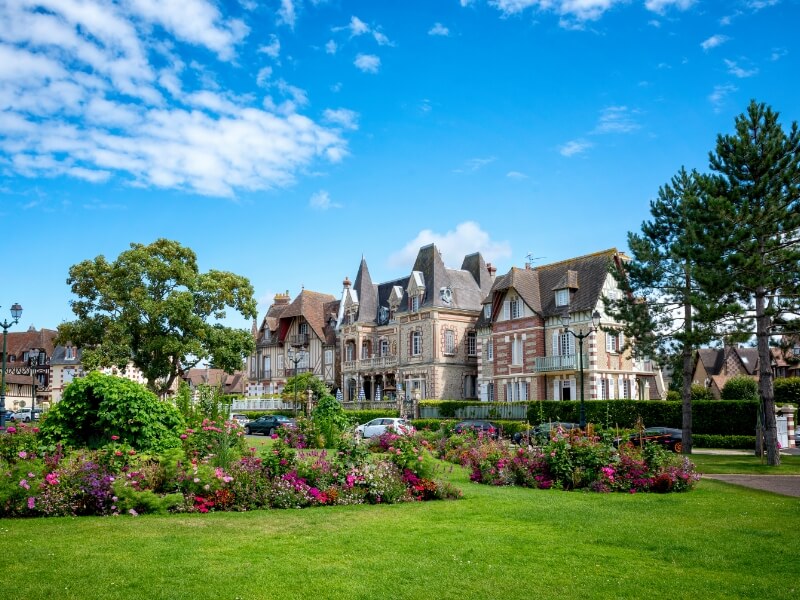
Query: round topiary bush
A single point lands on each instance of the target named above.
(95, 407)
(787, 390)
(701, 392)
(740, 387)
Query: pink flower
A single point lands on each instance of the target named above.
(35, 430)
(11, 429)
(184, 436)
(131, 452)
(133, 513)
(419, 457)
(117, 452)
(114, 438)
(24, 484)
(31, 503)
(22, 454)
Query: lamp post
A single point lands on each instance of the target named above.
(16, 313)
(296, 355)
(565, 319)
(33, 359)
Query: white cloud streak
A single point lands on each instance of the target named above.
(466, 238)
(574, 148)
(738, 71)
(719, 95)
(714, 41)
(368, 63)
(439, 29)
(321, 200)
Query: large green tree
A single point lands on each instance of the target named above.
(662, 308)
(152, 306)
(754, 211)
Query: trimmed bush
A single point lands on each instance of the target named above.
(701, 392)
(740, 387)
(95, 407)
(787, 390)
(730, 442)
(673, 396)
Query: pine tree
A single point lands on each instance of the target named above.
(663, 310)
(753, 240)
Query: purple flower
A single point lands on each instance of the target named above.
(24, 484)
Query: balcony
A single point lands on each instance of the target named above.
(297, 341)
(567, 362)
(366, 364)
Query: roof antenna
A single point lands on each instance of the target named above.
(532, 258)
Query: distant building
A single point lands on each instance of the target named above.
(713, 367)
(20, 346)
(229, 383)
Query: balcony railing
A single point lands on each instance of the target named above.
(298, 340)
(376, 362)
(567, 362)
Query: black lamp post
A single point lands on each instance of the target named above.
(296, 355)
(16, 313)
(33, 359)
(565, 319)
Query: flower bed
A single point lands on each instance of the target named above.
(211, 472)
(572, 461)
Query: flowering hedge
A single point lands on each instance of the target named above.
(571, 461)
(212, 471)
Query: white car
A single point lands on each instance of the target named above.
(379, 426)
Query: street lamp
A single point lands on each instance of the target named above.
(296, 355)
(565, 319)
(33, 358)
(16, 313)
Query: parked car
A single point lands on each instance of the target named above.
(381, 425)
(24, 414)
(671, 439)
(477, 426)
(10, 416)
(268, 424)
(240, 419)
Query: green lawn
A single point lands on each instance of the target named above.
(744, 464)
(718, 541)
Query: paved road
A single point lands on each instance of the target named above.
(786, 485)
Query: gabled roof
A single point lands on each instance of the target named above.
(525, 282)
(309, 305)
(231, 383)
(19, 342)
(590, 271)
(60, 356)
(713, 360)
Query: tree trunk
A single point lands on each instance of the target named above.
(686, 422)
(765, 388)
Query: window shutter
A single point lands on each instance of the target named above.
(555, 344)
(506, 310)
(620, 341)
(609, 341)
(556, 389)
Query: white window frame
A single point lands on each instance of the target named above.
(487, 311)
(414, 303)
(384, 347)
(350, 351)
(416, 343)
(69, 353)
(449, 342)
(562, 297)
(472, 343)
(328, 356)
(514, 308)
(302, 328)
(280, 362)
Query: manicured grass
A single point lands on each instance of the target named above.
(744, 464)
(718, 541)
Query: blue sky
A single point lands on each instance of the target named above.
(282, 140)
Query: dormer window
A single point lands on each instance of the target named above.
(413, 303)
(487, 311)
(512, 308)
(69, 353)
(562, 297)
(302, 328)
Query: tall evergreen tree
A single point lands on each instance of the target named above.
(662, 309)
(754, 237)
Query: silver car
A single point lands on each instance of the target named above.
(381, 425)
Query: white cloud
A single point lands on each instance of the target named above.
(661, 6)
(778, 53)
(287, 15)
(321, 200)
(263, 76)
(439, 29)
(331, 47)
(616, 119)
(516, 175)
(572, 13)
(714, 41)
(273, 49)
(720, 93)
(737, 71)
(466, 238)
(574, 147)
(84, 100)
(342, 117)
(475, 164)
(466, 2)
(369, 63)
(357, 27)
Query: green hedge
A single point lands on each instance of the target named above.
(732, 442)
(787, 390)
(362, 416)
(721, 417)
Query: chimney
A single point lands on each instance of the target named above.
(346, 282)
(281, 299)
(491, 268)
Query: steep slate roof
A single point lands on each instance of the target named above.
(309, 305)
(330, 311)
(592, 271)
(468, 285)
(713, 360)
(60, 354)
(367, 294)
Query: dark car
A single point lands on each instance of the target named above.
(542, 433)
(477, 426)
(268, 424)
(671, 439)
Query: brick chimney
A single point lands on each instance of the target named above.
(281, 299)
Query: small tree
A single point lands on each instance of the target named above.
(787, 390)
(95, 407)
(740, 387)
(330, 420)
(297, 386)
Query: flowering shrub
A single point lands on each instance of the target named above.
(572, 462)
(117, 480)
(220, 441)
